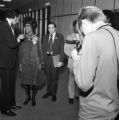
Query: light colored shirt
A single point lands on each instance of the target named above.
(53, 36)
(9, 22)
(98, 68)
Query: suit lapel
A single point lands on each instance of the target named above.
(10, 29)
(55, 39)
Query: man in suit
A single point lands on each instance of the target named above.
(8, 52)
(53, 54)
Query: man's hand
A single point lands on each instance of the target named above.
(75, 54)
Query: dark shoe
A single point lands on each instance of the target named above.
(54, 98)
(77, 97)
(71, 100)
(8, 113)
(16, 107)
(27, 100)
(46, 95)
(33, 101)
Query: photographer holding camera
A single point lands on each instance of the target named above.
(98, 66)
(73, 41)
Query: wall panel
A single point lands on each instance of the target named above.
(88, 2)
(53, 7)
(67, 6)
(105, 4)
(53, 19)
(76, 5)
(59, 21)
(116, 4)
(59, 7)
(67, 26)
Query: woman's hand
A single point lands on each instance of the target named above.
(20, 37)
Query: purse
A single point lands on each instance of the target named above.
(41, 79)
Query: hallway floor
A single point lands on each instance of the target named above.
(45, 109)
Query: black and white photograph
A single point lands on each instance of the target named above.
(59, 59)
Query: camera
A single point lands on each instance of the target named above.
(76, 42)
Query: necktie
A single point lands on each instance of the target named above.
(12, 27)
(50, 44)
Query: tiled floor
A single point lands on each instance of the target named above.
(45, 108)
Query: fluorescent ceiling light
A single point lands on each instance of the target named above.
(2, 5)
(7, 0)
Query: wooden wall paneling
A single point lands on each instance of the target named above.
(23, 19)
(43, 22)
(67, 26)
(116, 5)
(88, 2)
(105, 4)
(30, 14)
(46, 15)
(39, 4)
(67, 7)
(59, 7)
(76, 5)
(46, 1)
(37, 14)
(21, 24)
(59, 23)
(26, 15)
(53, 7)
(40, 23)
(33, 14)
(53, 19)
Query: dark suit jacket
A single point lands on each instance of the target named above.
(8, 46)
(57, 48)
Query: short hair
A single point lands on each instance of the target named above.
(52, 23)
(31, 21)
(91, 13)
(10, 13)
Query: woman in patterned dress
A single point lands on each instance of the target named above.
(30, 60)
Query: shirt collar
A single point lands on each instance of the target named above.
(9, 22)
(53, 35)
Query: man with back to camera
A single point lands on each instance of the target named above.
(97, 67)
(8, 51)
(53, 56)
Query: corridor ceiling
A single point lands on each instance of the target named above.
(17, 4)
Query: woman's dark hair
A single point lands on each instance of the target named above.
(31, 21)
(74, 26)
(74, 23)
